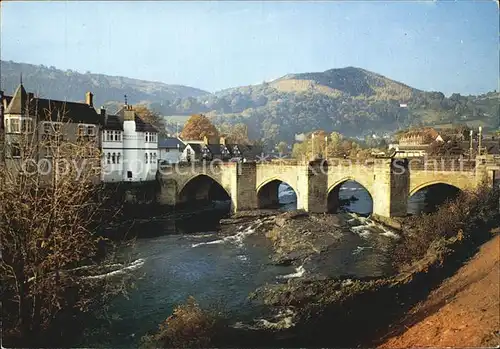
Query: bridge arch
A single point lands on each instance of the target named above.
(267, 192)
(202, 187)
(333, 194)
(428, 196)
(424, 185)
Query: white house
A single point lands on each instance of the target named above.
(129, 148)
(192, 151)
(170, 149)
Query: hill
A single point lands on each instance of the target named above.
(351, 100)
(71, 85)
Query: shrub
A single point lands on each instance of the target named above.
(470, 214)
(188, 327)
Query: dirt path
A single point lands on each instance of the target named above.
(462, 312)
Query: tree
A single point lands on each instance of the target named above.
(197, 127)
(235, 134)
(51, 256)
(151, 117)
(282, 147)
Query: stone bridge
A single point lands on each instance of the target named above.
(390, 182)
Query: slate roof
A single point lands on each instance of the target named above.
(50, 109)
(113, 122)
(215, 149)
(248, 152)
(170, 143)
(196, 147)
(140, 125)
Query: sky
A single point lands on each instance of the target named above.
(447, 46)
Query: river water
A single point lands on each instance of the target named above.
(223, 272)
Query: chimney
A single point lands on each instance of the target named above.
(89, 99)
(129, 114)
(205, 139)
(104, 116)
(222, 140)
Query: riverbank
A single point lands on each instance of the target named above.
(315, 310)
(462, 312)
(343, 273)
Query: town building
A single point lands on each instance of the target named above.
(415, 143)
(170, 150)
(192, 151)
(218, 149)
(129, 147)
(469, 143)
(40, 125)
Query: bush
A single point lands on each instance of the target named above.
(469, 215)
(188, 327)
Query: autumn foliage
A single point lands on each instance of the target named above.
(197, 127)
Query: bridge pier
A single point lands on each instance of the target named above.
(314, 187)
(391, 183)
(243, 188)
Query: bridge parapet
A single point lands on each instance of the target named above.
(441, 164)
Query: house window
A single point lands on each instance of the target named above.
(15, 150)
(146, 155)
(86, 130)
(167, 150)
(14, 125)
(129, 174)
(117, 136)
(118, 158)
(154, 157)
(109, 158)
(91, 130)
(26, 125)
(51, 127)
(7, 125)
(113, 157)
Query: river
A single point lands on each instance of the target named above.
(221, 271)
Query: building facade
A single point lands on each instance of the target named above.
(129, 148)
(170, 150)
(36, 128)
(124, 147)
